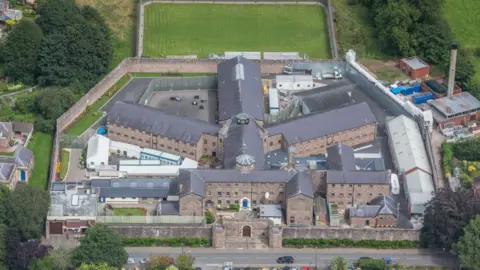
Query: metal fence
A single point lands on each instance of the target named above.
(167, 220)
(183, 83)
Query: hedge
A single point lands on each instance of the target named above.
(165, 242)
(348, 243)
(447, 158)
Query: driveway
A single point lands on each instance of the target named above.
(74, 171)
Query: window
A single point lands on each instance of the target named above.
(219, 202)
(280, 193)
(209, 185)
(140, 140)
(219, 194)
(176, 141)
(118, 152)
(298, 85)
(235, 185)
(170, 148)
(91, 163)
(370, 194)
(271, 143)
(279, 141)
(332, 194)
(209, 193)
(359, 194)
(191, 153)
(228, 202)
(254, 202)
(205, 141)
(371, 186)
(350, 185)
(176, 149)
(359, 185)
(236, 201)
(157, 198)
(333, 185)
(123, 198)
(228, 193)
(112, 198)
(381, 217)
(205, 150)
(350, 194)
(272, 193)
(118, 134)
(161, 145)
(214, 143)
(235, 193)
(341, 185)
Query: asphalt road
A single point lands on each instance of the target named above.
(211, 258)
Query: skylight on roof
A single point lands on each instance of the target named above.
(239, 73)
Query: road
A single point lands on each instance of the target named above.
(212, 258)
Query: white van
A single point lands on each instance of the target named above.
(395, 184)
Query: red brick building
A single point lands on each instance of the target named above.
(415, 67)
(460, 109)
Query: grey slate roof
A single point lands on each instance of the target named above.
(168, 208)
(242, 95)
(358, 177)
(23, 156)
(341, 158)
(329, 97)
(6, 127)
(320, 124)
(301, 183)
(22, 127)
(243, 139)
(134, 192)
(156, 121)
(382, 205)
(193, 181)
(6, 170)
(147, 187)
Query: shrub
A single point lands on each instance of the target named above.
(447, 157)
(333, 243)
(166, 242)
(209, 217)
(235, 207)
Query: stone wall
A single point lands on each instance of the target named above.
(354, 234)
(163, 231)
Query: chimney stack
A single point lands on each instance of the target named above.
(451, 74)
(291, 157)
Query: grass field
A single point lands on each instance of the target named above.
(64, 162)
(464, 18)
(41, 146)
(93, 115)
(128, 212)
(175, 29)
(156, 75)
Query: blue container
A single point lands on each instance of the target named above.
(422, 98)
(102, 130)
(411, 88)
(396, 90)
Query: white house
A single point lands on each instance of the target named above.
(295, 82)
(97, 151)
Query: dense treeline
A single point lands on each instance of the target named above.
(66, 50)
(411, 27)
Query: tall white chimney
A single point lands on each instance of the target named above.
(451, 74)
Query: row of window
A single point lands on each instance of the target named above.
(358, 194)
(248, 184)
(351, 185)
(237, 193)
(148, 140)
(206, 142)
(228, 202)
(134, 198)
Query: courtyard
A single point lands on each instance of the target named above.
(182, 29)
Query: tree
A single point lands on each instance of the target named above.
(98, 266)
(160, 262)
(468, 247)
(185, 261)
(446, 216)
(372, 264)
(339, 263)
(3, 251)
(76, 47)
(53, 102)
(59, 259)
(4, 197)
(432, 41)
(100, 245)
(21, 51)
(27, 208)
(19, 255)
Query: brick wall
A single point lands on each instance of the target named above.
(163, 231)
(354, 234)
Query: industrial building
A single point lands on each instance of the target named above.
(414, 67)
(411, 161)
(461, 109)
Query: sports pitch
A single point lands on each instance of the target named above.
(181, 29)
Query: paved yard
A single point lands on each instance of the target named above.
(74, 171)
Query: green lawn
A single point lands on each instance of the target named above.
(7, 154)
(464, 18)
(41, 145)
(64, 162)
(128, 212)
(93, 115)
(177, 29)
(156, 75)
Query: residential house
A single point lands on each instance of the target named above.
(16, 168)
(380, 212)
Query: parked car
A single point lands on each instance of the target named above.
(196, 97)
(285, 259)
(194, 103)
(144, 261)
(130, 260)
(286, 268)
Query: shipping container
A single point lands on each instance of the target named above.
(410, 89)
(422, 98)
(396, 90)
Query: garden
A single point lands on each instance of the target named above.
(202, 29)
(131, 211)
(462, 159)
